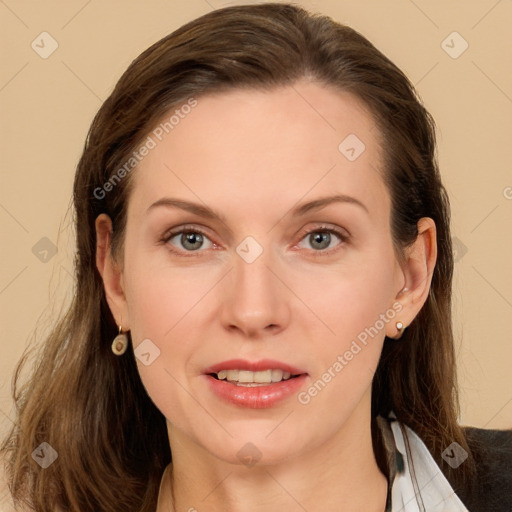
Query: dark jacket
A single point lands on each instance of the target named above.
(492, 489)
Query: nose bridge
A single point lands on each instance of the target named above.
(254, 283)
(255, 299)
(251, 272)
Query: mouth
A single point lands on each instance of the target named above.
(257, 385)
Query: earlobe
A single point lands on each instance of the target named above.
(396, 328)
(110, 272)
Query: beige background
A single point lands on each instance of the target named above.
(48, 104)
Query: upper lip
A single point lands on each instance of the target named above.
(253, 366)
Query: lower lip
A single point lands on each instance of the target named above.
(258, 397)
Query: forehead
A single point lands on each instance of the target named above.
(244, 151)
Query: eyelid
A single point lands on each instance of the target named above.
(185, 228)
(332, 228)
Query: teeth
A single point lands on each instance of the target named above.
(243, 376)
(248, 377)
(263, 376)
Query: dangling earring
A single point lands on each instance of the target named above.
(120, 343)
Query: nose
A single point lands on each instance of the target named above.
(255, 302)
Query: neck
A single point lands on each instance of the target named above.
(340, 474)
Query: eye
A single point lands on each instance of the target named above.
(187, 240)
(190, 239)
(322, 238)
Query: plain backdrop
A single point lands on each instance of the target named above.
(457, 53)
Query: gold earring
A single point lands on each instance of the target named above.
(120, 343)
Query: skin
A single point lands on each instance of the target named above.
(253, 156)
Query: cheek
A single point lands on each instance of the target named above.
(165, 305)
(355, 305)
(158, 296)
(349, 299)
(159, 308)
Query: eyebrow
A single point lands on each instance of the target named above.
(208, 213)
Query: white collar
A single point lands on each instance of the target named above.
(419, 485)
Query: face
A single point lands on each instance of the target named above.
(262, 276)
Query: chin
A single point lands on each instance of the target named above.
(254, 448)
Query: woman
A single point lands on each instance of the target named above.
(263, 288)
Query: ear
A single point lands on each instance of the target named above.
(110, 271)
(417, 269)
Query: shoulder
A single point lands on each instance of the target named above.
(492, 451)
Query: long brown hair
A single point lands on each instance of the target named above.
(90, 405)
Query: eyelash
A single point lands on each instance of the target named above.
(320, 229)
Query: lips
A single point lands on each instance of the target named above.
(254, 395)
